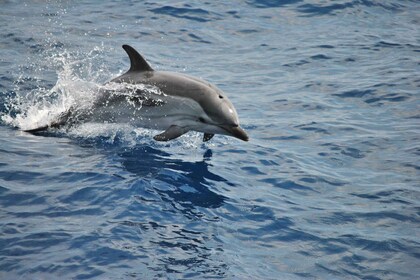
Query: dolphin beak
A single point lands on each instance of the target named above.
(236, 131)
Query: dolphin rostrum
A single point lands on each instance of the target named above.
(174, 102)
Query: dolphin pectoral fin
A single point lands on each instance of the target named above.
(207, 137)
(172, 132)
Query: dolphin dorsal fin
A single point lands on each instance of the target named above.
(138, 63)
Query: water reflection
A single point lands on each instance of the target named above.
(169, 226)
(190, 179)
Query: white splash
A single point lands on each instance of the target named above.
(40, 106)
(80, 78)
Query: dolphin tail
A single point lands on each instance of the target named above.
(61, 120)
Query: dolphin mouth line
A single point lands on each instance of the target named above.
(236, 131)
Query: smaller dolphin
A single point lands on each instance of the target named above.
(174, 102)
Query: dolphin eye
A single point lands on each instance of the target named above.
(202, 120)
(221, 97)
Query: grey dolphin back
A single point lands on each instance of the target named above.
(138, 63)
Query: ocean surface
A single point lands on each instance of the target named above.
(326, 188)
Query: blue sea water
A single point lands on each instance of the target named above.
(326, 188)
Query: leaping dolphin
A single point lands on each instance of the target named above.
(174, 102)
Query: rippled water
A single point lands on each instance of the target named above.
(327, 187)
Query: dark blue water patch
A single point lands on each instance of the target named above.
(3, 190)
(318, 84)
(392, 97)
(68, 177)
(283, 138)
(189, 200)
(50, 14)
(414, 166)
(19, 43)
(295, 64)
(336, 8)
(355, 93)
(11, 228)
(385, 246)
(330, 247)
(11, 198)
(37, 48)
(385, 44)
(295, 235)
(87, 194)
(314, 107)
(248, 31)
(194, 14)
(342, 218)
(147, 161)
(414, 150)
(347, 151)
(320, 57)
(386, 196)
(151, 163)
(234, 14)
(352, 152)
(198, 39)
(20, 176)
(414, 116)
(316, 179)
(276, 229)
(6, 79)
(271, 3)
(320, 9)
(373, 96)
(269, 162)
(326, 46)
(379, 85)
(106, 255)
(288, 185)
(28, 244)
(87, 22)
(191, 244)
(252, 170)
(57, 212)
(313, 127)
(331, 271)
(40, 240)
(91, 272)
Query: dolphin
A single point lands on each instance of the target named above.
(162, 100)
